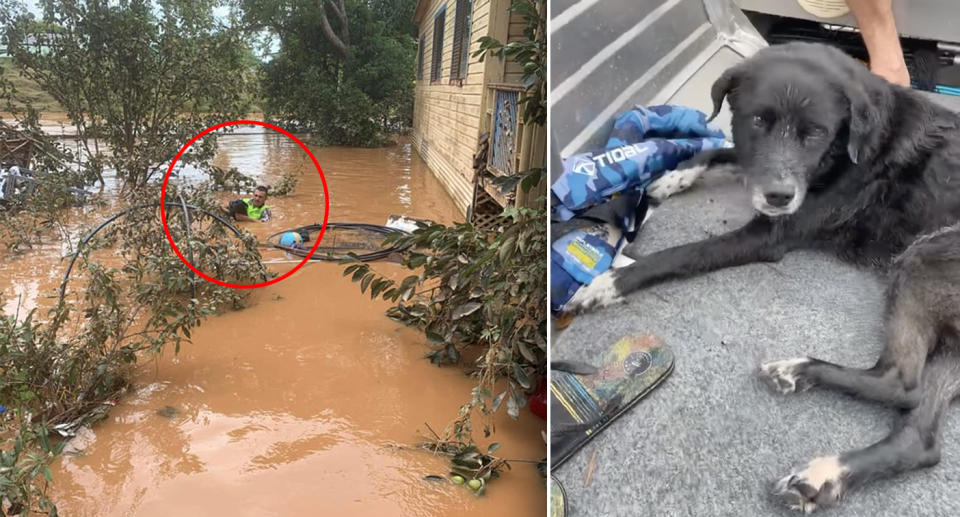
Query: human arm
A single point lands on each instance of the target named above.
(879, 31)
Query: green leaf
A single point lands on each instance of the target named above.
(531, 180)
(44, 440)
(435, 338)
(416, 260)
(453, 354)
(359, 273)
(493, 448)
(506, 248)
(507, 184)
(512, 408)
(409, 281)
(366, 281)
(379, 286)
(465, 310)
(497, 401)
(520, 375)
(526, 352)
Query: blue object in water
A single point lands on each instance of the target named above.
(291, 240)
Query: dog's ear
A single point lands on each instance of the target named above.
(723, 87)
(864, 120)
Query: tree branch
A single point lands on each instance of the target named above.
(341, 13)
(328, 31)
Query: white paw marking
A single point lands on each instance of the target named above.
(784, 374)
(819, 484)
(598, 293)
(674, 181)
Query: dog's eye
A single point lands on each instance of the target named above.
(813, 132)
(759, 121)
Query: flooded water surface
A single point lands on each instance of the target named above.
(296, 404)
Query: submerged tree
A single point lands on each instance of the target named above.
(137, 77)
(344, 69)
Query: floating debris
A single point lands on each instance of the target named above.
(168, 412)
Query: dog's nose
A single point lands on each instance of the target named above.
(779, 198)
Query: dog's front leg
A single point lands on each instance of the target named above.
(761, 240)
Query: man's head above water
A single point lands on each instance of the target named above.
(259, 196)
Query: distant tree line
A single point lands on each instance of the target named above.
(344, 69)
(144, 76)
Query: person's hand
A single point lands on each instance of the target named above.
(896, 73)
(879, 31)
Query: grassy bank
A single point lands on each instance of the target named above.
(26, 90)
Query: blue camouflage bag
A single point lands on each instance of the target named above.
(644, 143)
(586, 246)
(599, 202)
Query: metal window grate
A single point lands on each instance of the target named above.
(504, 131)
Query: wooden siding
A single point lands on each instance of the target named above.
(449, 118)
(514, 72)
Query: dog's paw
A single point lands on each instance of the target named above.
(819, 484)
(787, 376)
(674, 182)
(601, 292)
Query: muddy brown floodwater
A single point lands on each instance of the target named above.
(291, 406)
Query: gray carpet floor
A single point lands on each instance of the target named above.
(713, 436)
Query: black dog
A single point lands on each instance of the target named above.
(838, 159)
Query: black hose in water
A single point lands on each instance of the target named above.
(384, 231)
(186, 224)
(114, 217)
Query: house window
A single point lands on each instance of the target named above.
(461, 40)
(438, 23)
(423, 42)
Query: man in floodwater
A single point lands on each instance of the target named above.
(251, 209)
